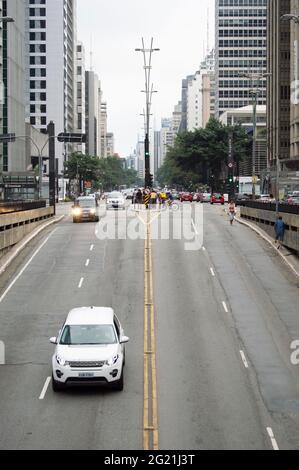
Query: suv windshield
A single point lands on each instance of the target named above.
(88, 335)
(115, 195)
(85, 203)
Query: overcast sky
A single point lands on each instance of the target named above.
(179, 29)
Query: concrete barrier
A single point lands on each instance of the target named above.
(266, 219)
(15, 226)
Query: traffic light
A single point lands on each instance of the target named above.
(230, 179)
(151, 180)
(72, 137)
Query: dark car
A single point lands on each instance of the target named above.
(85, 209)
(217, 198)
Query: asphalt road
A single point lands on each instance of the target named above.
(225, 317)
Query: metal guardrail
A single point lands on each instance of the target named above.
(20, 206)
(267, 206)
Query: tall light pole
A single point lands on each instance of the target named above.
(255, 79)
(149, 91)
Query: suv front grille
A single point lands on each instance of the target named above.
(87, 364)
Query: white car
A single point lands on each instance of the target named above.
(115, 200)
(89, 350)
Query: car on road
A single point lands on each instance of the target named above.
(205, 197)
(293, 200)
(129, 193)
(217, 198)
(196, 197)
(90, 350)
(186, 197)
(85, 209)
(115, 200)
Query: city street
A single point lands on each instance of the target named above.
(223, 319)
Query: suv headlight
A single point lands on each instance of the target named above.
(77, 211)
(112, 361)
(92, 211)
(62, 362)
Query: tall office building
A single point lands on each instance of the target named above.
(241, 47)
(80, 105)
(184, 102)
(12, 76)
(103, 124)
(51, 67)
(93, 113)
(110, 144)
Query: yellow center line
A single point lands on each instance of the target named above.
(150, 414)
(145, 388)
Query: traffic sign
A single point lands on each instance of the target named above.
(71, 137)
(4, 138)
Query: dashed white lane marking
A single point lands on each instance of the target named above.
(91, 247)
(244, 359)
(212, 272)
(273, 440)
(26, 266)
(81, 282)
(45, 388)
(87, 262)
(225, 306)
(194, 227)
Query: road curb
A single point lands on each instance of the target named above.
(270, 241)
(16, 250)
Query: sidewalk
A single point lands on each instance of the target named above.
(288, 257)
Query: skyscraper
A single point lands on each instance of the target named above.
(51, 67)
(92, 113)
(12, 75)
(103, 123)
(80, 105)
(241, 47)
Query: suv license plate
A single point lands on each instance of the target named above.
(86, 374)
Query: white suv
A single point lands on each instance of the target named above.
(89, 349)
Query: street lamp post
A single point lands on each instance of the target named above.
(149, 91)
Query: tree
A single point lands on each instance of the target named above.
(199, 157)
(82, 167)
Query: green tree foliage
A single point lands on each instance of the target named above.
(104, 173)
(199, 155)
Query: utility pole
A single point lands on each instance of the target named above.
(149, 91)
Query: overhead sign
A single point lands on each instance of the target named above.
(71, 137)
(4, 138)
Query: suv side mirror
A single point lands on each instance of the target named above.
(124, 339)
(53, 340)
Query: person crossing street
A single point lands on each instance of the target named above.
(232, 211)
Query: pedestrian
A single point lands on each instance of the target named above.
(139, 198)
(279, 232)
(232, 211)
(154, 197)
